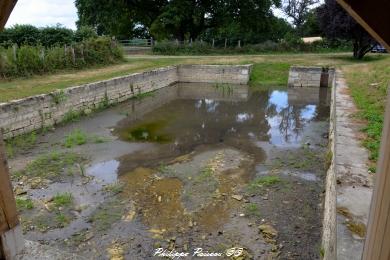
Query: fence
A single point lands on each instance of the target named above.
(137, 42)
(223, 42)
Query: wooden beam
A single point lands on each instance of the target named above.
(372, 16)
(8, 213)
(6, 7)
(377, 245)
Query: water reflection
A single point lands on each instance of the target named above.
(106, 171)
(288, 112)
(202, 115)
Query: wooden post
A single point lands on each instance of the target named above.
(239, 43)
(225, 43)
(11, 240)
(73, 55)
(377, 245)
(14, 51)
(213, 43)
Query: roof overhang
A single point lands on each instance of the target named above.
(6, 7)
(373, 16)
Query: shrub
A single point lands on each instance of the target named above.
(29, 60)
(47, 36)
(289, 44)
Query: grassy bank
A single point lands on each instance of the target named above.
(268, 70)
(369, 84)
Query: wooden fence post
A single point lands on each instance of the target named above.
(239, 43)
(11, 239)
(14, 47)
(225, 43)
(213, 43)
(377, 245)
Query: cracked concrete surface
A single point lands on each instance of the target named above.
(354, 182)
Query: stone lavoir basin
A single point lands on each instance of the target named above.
(197, 168)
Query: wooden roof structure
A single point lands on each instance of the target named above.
(6, 7)
(373, 15)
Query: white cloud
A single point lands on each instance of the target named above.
(44, 13)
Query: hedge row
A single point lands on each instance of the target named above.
(29, 60)
(199, 48)
(26, 34)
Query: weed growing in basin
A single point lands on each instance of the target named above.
(24, 203)
(225, 88)
(257, 184)
(71, 116)
(76, 137)
(20, 143)
(62, 220)
(53, 165)
(252, 209)
(106, 214)
(98, 139)
(114, 188)
(59, 97)
(62, 200)
(143, 95)
(205, 174)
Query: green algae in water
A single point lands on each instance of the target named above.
(149, 132)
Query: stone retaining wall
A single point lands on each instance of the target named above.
(214, 73)
(309, 76)
(36, 112)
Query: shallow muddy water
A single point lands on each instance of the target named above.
(190, 166)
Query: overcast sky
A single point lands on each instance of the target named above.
(44, 12)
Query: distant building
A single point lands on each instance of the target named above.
(311, 39)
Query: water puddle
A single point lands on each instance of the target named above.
(106, 171)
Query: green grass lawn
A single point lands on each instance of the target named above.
(368, 79)
(369, 83)
(268, 70)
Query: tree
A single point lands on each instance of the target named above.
(298, 11)
(110, 17)
(51, 36)
(249, 21)
(84, 33)
(20, 34)
(311, 25)
(180, 18)
(335, 23)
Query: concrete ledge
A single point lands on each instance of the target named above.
(300, 76)
(233, 74)
(32, 113)
(348, 182)
(329, 229)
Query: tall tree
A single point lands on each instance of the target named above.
(336, 23)
(250, 21)
(110, 17)
(298, 11)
